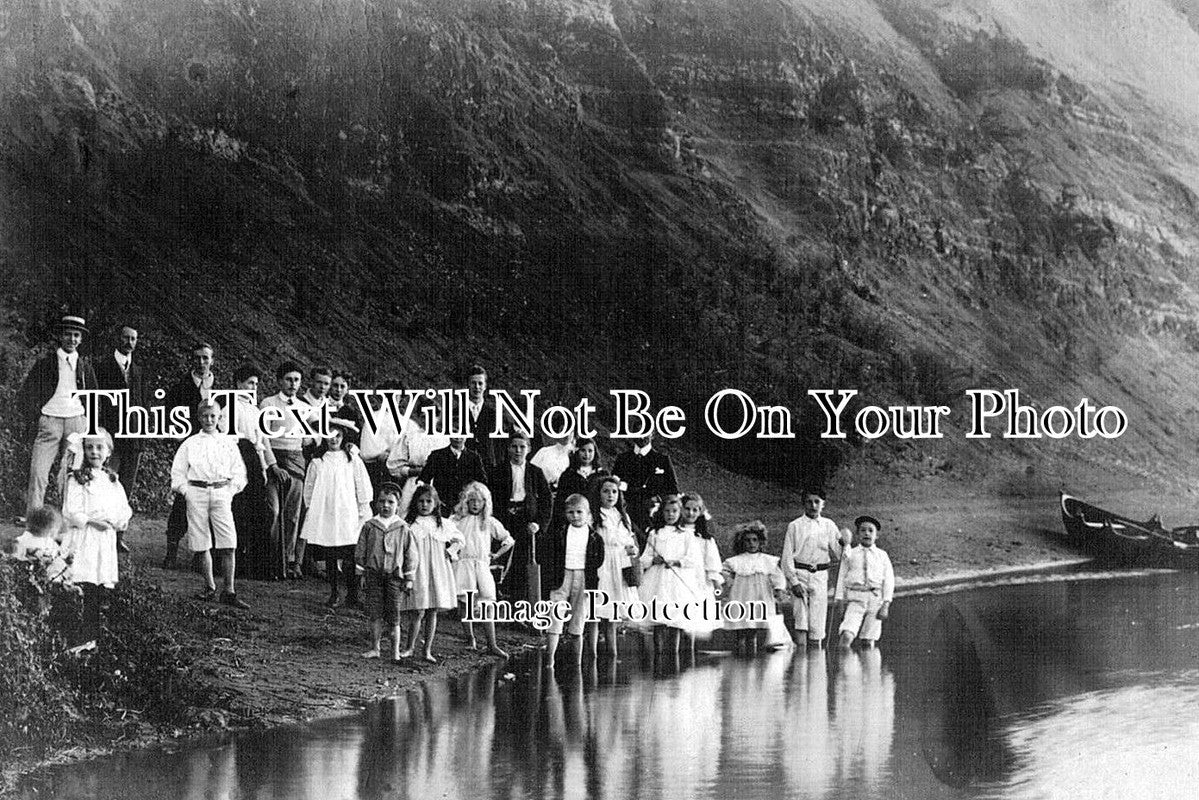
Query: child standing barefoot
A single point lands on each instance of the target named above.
(337, 494)
(865, 586)
(751, 576)
(472, 572)
(387, 553)
(94, 508)
(574, 552)
(620, 548)
(437, 542)
(704, 564)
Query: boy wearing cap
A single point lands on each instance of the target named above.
(865, 586)
(207, 471)
(811, 545)
(49, 407)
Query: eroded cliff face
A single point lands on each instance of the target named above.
(904, 197)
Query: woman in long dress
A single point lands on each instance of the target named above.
(337, 493)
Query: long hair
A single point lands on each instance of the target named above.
(657, 520)
(704, 527)
(575, 463)
(744, 531)
(83, 476)
(421, 491)
(474, 489)
(593, 497)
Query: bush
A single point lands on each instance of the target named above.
(140, 670)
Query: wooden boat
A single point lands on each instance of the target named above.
(1127, 541)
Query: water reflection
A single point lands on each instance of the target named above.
(974, 695)
(1136, 741)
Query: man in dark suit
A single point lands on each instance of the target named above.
(119, 371)
(522, 501)
(451, 468)
(48, 408)
(482, 420)
(647, 474)
(188, 391)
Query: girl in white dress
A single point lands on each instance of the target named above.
(620, 548)
(667, 563)
(337, 494)
(410, 452)
(751, 576)
(703, 563)
(472, 572)
(94, 508)
(438, 543)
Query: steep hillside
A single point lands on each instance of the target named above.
(904, 197)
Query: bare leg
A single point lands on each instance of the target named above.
(206, 570)
(469, 627)
(551, 649)
(397, 635)
(492, 646)
(228, 568)
(430, 632)
(414, 621)
(376, 639)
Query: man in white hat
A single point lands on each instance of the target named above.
(49, 407)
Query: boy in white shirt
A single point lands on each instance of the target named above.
(865, 586)
(207, 471)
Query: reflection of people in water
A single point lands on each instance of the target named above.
(808, 761)
(864, 699)
(754, 734)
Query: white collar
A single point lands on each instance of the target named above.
(643, 451)
(71, 358)
(122, 359)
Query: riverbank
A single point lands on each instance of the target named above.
(291, 660)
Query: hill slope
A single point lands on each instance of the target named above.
(901, 197)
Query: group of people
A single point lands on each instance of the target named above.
(423, 518)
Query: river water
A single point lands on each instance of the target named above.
(1077, 687)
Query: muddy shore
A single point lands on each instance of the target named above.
(289, 659)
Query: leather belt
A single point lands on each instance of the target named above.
(811, 567)
(208, 484)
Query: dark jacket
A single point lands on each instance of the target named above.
(537, 493)
(110, 376)
(646, 477)
(553, 560)
(42, 380)
(570, 483)
(449, 473)
(184, 392)
(480, 440)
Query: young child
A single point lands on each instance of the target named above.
(573, 554)
(337, 494)
(752, 576)
(438, 542)
(704, 566)
(865, 586)
(387, 554)
(40, 542)
(666, 569)
(208, 471)
(94, 508)
(620, 548)
(472, 572)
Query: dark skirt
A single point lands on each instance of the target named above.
(260, 551)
